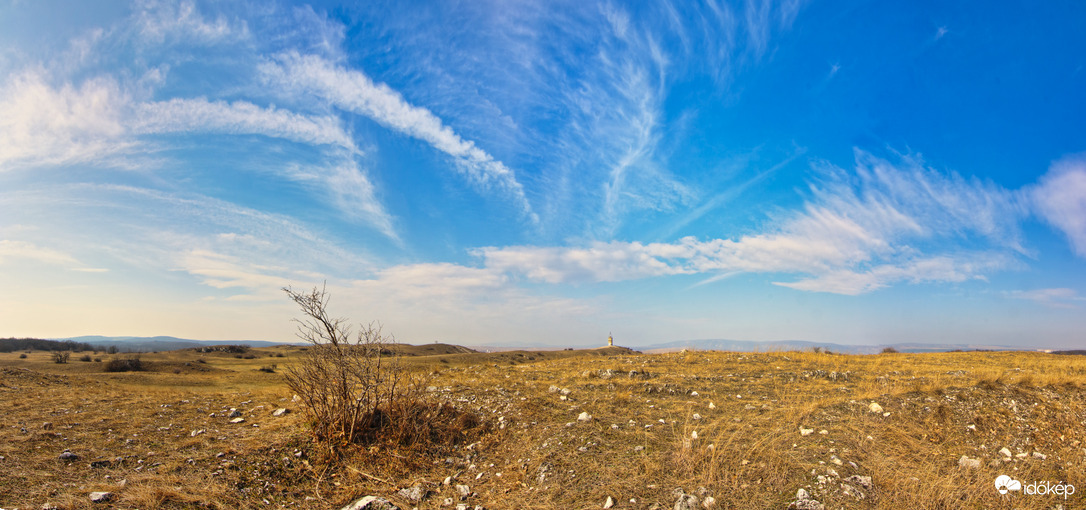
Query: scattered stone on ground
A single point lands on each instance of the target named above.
(371, 503)
(281, 411)
(67, 455)
(805, 502)
(967, 463)
(862, 481)
(875, 408)
(609, 503)
(414, 494)
(685, 501)
(101, 497)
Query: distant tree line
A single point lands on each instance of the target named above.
(38, 344)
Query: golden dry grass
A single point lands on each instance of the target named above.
(638, 447)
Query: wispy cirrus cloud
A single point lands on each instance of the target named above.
(353, 91)
(183, 115)
(50, 125)
(244, 252)
(583, 95)
(99, 122)
(860, 231)
(13, 249)
(162, 22)
(618, 125)
(87, 109)
(98, 118)
(350, 191)
(598, 262)
(1054, 298)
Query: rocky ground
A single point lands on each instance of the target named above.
(611, 429)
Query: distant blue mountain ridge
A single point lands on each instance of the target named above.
(803, 345)
(159, 343)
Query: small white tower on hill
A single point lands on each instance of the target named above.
(610, 340)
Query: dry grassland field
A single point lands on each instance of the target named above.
(558, 429)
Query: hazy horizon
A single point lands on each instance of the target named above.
(524, 172)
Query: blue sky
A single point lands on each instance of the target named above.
(544, 173)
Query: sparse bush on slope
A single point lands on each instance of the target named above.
(132, 364)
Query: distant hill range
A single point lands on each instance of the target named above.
(158, 343)
(801, 345)
(169, 343)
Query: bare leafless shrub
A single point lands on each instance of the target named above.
(61, 357)
(343, 380)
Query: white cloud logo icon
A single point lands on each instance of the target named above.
(1004, 483)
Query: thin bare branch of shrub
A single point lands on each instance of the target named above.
(344, 380)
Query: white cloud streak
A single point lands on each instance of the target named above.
(13, 249)
(351, 191)
(98, 122)
(1060, 199)
(41, 124)
(244, 252)
(613, 131)
(240, 117)
(448, 294)
(879, 226)
(1052, 298)
(46, 125)
(353, 91)
(161, 22)
(601, 262)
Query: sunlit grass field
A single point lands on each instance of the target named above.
(734, 430)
